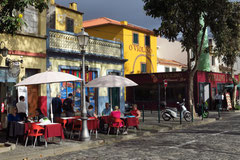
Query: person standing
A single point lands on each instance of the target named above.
(68, 105)
(22, 107)
(57, 106)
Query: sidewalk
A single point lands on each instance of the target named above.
(147, 128)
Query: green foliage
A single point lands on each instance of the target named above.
(227, 37)
(237, 107)
(182, 17)
(10, 13)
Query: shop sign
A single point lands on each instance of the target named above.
(228, 99)
(138, 48)
(165, 83)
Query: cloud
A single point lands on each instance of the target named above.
(129, 10)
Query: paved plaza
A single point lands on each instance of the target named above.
(168, 140)
(218, 140)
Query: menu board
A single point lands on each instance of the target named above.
(228, 99)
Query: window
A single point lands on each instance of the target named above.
(167, 69)
(143, 68)
(147, 41)
(69, 24)
(30, 16)
(174, 69)
(213, 60)
(135, 38)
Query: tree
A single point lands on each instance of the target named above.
(11, 13)
(227, 39)
(181, 17)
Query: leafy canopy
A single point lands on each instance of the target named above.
(182, 17)
(10, 13)
(227, 37)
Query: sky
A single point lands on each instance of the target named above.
(120, 10)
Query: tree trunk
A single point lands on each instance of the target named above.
(234, 95)
(191, 93)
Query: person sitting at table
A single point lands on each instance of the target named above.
(116, 113)
(115, 118)
(135, 112)
(107, 110)
(39, 114)
(90, 112)
(13, 116)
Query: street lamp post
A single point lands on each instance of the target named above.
(83, 38)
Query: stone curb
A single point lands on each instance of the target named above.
(5, 147)
(92, 144)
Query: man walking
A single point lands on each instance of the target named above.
(22, 107)
(57, 106)
(68, 105)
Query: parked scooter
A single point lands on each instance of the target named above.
(171, 113)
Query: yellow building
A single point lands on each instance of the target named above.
(102, 57)
(26, 56)
(140, 44)
(64, 18)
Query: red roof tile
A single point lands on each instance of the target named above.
(106, 21)
(170, 62)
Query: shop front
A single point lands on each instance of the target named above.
(151, 90)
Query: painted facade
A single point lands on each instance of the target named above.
(139, 43)
(28, 47)
(63, 18)
(102, 57)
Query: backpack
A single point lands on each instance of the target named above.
(66, 105)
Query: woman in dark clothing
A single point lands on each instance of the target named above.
(13, 116)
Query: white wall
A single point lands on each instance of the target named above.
(171, 50)
(161, 68)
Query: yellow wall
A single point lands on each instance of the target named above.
(139, 53)
(110, 32)
(135, 54)
(42, 21)
(61, 15)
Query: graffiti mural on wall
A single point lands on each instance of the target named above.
(75, 88)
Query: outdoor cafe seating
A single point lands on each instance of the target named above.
(24, 130)
(92, 124)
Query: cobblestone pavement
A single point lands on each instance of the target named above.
(219, 140)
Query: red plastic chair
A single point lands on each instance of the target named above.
(93, 125)
(76, 126)
(34, 131)
(115, 123)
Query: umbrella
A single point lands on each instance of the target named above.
(111, 81)
(48, 77)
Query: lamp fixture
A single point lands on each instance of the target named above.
(83, 39)
(3, 49)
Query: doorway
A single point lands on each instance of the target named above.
(114, 93)
(32, 93)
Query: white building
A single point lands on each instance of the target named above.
(170, 56)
